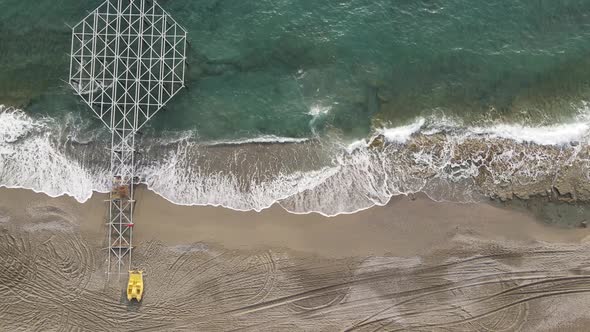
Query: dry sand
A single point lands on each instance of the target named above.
(413, 265)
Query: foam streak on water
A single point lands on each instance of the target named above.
(264, 139)
(544, 135)
(321, 175)
(403, 133)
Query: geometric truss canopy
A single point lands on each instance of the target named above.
(127, 57)
(127, 61)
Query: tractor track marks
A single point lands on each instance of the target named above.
(269, 272)
(53, 277)
(500, 293)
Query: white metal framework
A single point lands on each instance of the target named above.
(127, 61)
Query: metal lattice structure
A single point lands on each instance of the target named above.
(127, 61)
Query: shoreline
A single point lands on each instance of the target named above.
(323, 176)
(295, 166)
(379, 230)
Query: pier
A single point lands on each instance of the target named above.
(128, 59)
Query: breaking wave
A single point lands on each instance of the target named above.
(403, 133)
(33, 155)
(445, 160)
(264, 139)
(544, 135)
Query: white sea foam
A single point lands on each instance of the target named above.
(402, 134)
(317, 110)
(558, 134)
(33, 157)
(177, 137)
(318, 113)
(544, 135)
(264, 139)
(30, 159)
(14, 125)
(178, 180)
(357, 145)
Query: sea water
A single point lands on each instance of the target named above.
(285, 98)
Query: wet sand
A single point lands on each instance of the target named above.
(412, 265)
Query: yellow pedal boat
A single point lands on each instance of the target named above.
(135, 285)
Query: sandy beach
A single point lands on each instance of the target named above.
(413, 265)
(268, 165)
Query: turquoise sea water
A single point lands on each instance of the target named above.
(260, 67)
(488, 77)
